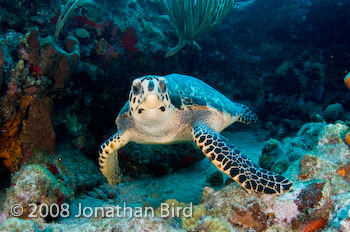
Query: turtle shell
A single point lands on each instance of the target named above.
(189, 93)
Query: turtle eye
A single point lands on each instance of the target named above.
(136, 89)
(162, 86)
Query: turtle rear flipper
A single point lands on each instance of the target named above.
(108, 157)
(236, 165)
(246, 115)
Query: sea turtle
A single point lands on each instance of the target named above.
(180, 108)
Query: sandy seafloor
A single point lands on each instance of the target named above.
(185, 185)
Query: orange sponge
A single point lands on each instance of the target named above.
(11, 145)
(347, 138)
(347, 80)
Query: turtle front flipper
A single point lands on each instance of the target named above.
(236, 165)
(108, 157)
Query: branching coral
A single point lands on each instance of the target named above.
(191, 18)
(65, 12)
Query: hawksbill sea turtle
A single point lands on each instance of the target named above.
(179, 108)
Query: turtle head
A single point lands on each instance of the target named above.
(149, 99)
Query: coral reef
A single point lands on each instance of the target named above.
(37, 130)
(201, 19)
(239, 210)
(31, 187)
(298, 210)
(76, 172)
(198, 213)
(310, 206)
(1, 65)
(129, 39)
(11, 145)
(46, 179)
(215, 179)
(250, 217)
(110, 224)
(334, 112)
(212, 224)
(173, 205)
(319, 199)
(199, 221)
(277, 155)
(27, 113)
(347, 138)
(347, 80)
(16, 224)
(270, 153)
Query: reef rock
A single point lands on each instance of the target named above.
(47, 179)
(31, 187)
(26, 115)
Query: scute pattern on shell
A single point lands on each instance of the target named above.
(189, 93)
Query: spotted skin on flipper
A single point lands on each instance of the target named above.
(236, 165)
(247, 116)
(108, 157)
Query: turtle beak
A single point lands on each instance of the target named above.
(152, 101)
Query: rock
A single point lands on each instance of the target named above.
(216, 225)
(334, 112)
(33, 184)
(81, 33)
(270, 153)
(251, 217)
(280, 166)
(16, 224)
(215, 179)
